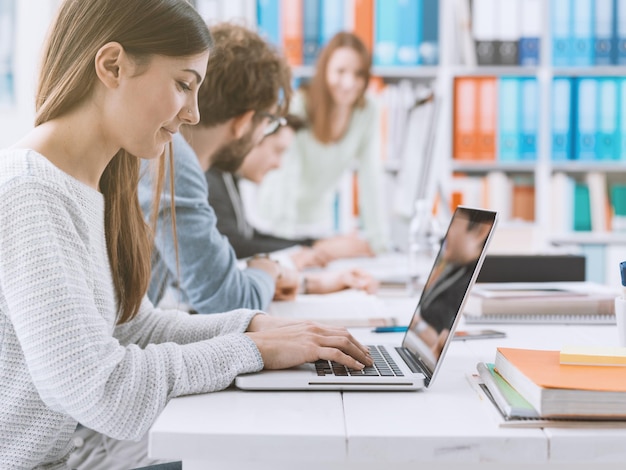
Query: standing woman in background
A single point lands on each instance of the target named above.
(343, 133)
(79, 341)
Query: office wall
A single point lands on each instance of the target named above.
(32, 18)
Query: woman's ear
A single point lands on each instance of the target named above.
(241, 124)
(108, 63)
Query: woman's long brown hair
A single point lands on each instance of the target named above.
(320, 102)
(67, 77)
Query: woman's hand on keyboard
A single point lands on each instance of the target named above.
(294, 344)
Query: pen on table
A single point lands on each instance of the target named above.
(622, 271)
(390, 329)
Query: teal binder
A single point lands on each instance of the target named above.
(621, 116)
(582, 33)
(529, 103)
(586, 118)
(561, 16)
(409, 31)
(509, 119)
(582, 208)
(562, 120)
(310, 30)
(332, 14)
(608, 133)
(268, 20)
(385, 32)
(603, 32)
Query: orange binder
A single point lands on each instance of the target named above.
(363, 14)
(291, 22)
(486, 129)
(465, 118)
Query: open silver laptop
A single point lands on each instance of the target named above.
(414, 364)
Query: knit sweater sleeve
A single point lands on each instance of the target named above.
(75, 363)
(155, 326)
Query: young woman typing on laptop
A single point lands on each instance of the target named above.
(79, 341)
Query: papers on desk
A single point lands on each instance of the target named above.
(542, 302)
(390, 269)
(349, 308)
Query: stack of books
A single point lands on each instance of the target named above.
(541, 302)
(571, 385)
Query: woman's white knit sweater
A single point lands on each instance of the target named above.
(62, 358)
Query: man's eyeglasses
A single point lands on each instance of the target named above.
(275, 122)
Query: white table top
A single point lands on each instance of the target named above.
(450, 425)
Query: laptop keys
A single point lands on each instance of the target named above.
(384, 366)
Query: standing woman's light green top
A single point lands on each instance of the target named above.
(300, 194)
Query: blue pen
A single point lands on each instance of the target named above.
(622, 271)
(390, 329)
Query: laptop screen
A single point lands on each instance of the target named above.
(454, 271)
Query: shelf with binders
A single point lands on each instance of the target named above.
(588, 34)
(588, 123)
(495, 121)
(397, 33)
(494, 70)
(390, 72)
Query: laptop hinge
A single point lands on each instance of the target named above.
(414, 363)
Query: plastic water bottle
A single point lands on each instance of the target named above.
(423, 242)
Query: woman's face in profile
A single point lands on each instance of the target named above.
(345, 76)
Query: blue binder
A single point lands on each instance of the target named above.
(562, 107)
(268, 20)
(586, 118)
(603, 34)
(429, 48)
(608, 131)
(332, 14)
(622, 119)
(582, 32)
(621, 32)
(529, 89)
(509, 119)
(409, 31)
(385, 32)
(561, 15)
(310, 30)
(532, 13)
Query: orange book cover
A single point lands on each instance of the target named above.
(487, 117)
(465, 118)
(544, 368)
(364, 21)
(292, 23)
(523, 202)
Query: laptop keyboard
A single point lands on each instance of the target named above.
(383, 366)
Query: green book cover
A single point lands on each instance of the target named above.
(582, 208)
(506, 398)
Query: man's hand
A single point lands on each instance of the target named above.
(309, 258)
(344, 246)
(287, 284)
(334, 281)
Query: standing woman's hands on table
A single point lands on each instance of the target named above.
(294, 344)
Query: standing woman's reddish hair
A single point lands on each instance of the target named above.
(320, 103)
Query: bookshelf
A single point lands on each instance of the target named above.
(608, 246)
(604, 248)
